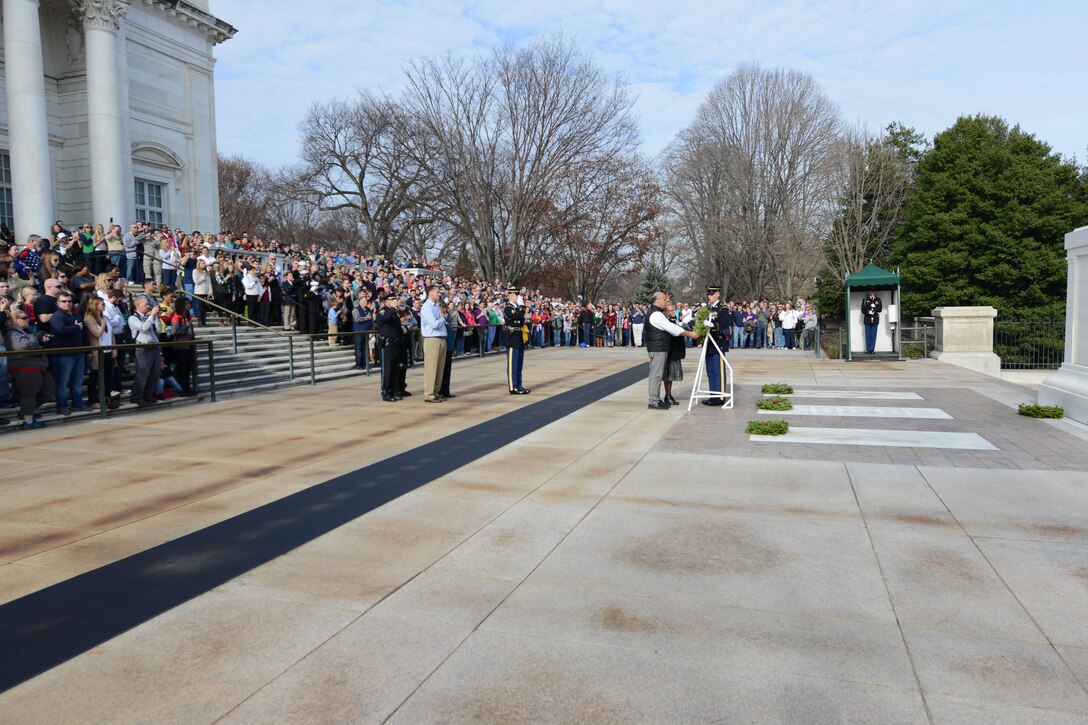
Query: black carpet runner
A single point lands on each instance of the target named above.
(41, 630)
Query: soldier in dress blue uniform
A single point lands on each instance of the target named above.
(871, 308)
(719, 324)
(513, 316)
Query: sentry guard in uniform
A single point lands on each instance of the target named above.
(513, 317)
(718, 323)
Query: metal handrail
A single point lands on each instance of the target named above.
(111, 346)
(410, 339)
(232, 313)
(101, 350)
(924, 328)
(311, 337)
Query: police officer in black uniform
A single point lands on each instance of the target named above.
(719, 323)
(513, 316)
(391, 342)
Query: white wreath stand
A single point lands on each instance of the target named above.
(697, 393)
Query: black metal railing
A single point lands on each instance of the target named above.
(919, 339)
(830, 339)
(1030, 344)
(312, 338)
(101, 351)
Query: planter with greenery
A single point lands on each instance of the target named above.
(774, 427)
(775, 403)
(1034, 410)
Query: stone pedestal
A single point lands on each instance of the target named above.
(965, 337)
(1069, 386)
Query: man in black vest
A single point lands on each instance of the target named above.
(659, 333)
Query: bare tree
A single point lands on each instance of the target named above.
(748, 179)
(614, 225)
(243, 188)
(871, 183)
(700, 201)
(508, 133)
(358, 155)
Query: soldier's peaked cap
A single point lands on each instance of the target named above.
(511, 290)
(713, 290)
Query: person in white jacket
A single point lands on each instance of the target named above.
(788, 317)
(202, 288)
(253, 289)
(170, 258)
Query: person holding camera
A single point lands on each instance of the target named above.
(391, 347)
(144, 324)
(362, 320)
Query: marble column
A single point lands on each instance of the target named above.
(28, 124)
(110, 188)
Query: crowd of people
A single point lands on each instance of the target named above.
(97, 286)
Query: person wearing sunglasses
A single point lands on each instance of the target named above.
(67, 327)
(29, 372)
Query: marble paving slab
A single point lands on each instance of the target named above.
(889, 438)
(854, 394)
(862, 411)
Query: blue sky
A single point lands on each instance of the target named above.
(923, 62)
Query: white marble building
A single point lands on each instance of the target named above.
(107, 110)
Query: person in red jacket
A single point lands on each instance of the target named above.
(610, 326)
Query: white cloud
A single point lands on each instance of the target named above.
(923, 63)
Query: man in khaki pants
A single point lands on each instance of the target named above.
(433, 328)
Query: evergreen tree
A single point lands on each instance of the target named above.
(986, 222)
(909, 143)
(653, 280)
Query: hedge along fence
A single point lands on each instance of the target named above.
(1037, 344)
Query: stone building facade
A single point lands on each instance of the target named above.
(107, 111)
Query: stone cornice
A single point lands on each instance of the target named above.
(210, 26)
(102, 14)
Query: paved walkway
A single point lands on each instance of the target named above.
(618, 565)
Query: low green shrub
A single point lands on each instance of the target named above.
(778, 389)
(912, 350)
(1034, 410)
(767, 427)
(775, 403)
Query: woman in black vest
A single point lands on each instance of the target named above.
(674, 366)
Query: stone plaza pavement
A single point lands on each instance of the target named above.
(618, 565)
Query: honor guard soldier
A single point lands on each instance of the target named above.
(391, 344)
(871, 307)
(513, 319)
(718, 325)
